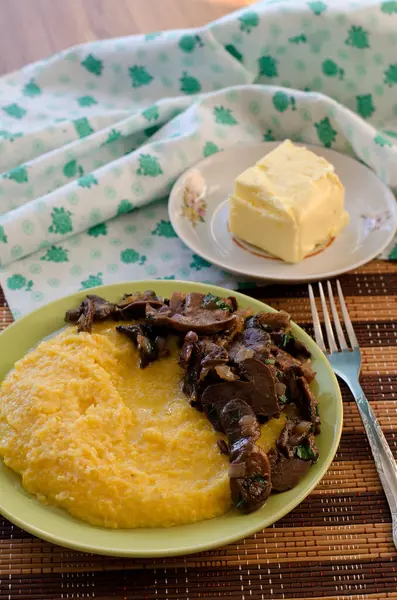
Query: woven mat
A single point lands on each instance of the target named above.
(336, 544)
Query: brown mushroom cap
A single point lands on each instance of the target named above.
(251, 490)
(285, 361)
(259, 392)
(150, 346)
(264, 397)
(216, 396)
(252, 342)
(238, 421)
(273, 320)
(285, 472)
(294, 433)
(213, 354)
(191, 314)
(133, 306)
(92, 309)
(308, 404)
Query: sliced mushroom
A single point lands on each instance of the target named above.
(214, 363)
(294, 433)
(285, 361)
(298, 349)
(189, 343)
(300, 432)
(103, 308)
(273, 321)
(226, 337)
(192, 314)
(177, 302)
(204, 363)
(216, 396)
(238, 421)
(264, 399)
(291, 375)
(251, 490)
(285, 472)
(86, 318)
(133, 306)
(213, 354)
(150, 346)
(283, 438)
(190, 360)
(215, 302)
(191, 380)
(308, 404)
(252, 342)
(161, 345)
(258, 392)
(92, 309)
(275, 324)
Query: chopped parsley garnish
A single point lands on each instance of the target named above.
(212, 301)
(270, 361)
(283, 399)
(288, 337)
(241, 503)
(260, 479)
(304, 452)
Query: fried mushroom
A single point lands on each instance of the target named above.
(195, 312)
(249, 473)
(133, 306)
(150, 345)
(285, 472)
(92, 309)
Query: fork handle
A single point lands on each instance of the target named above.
(383, 457)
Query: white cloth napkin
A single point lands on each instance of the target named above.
(93, 138)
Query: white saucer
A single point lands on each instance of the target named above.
(200, 218)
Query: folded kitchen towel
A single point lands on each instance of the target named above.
(93, 138)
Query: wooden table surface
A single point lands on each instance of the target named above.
(33, 29)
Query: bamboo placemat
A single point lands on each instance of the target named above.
(337, 544)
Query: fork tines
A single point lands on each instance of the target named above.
(318, 334)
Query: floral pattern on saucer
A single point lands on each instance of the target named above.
(194, 207)
(375, 222)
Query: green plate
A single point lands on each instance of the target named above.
(57, 526)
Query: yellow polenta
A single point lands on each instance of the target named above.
(113, 444)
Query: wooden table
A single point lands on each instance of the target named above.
(337, 544)
(33, 29)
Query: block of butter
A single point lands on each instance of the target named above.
(288, 203)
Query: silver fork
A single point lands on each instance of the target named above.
(346, 363)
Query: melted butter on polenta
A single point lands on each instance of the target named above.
(113, 444)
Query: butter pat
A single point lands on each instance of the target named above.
(288, 203)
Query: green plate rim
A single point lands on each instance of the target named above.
(187, 548)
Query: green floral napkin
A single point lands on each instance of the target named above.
(93, 138)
